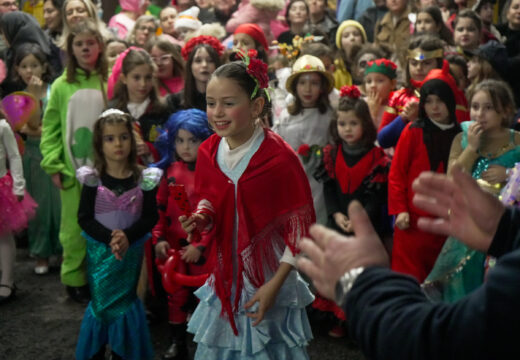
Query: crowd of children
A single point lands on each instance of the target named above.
(196, 141)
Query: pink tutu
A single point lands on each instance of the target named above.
(14, 214)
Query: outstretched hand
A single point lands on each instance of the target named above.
(460, 207)
(331, 255)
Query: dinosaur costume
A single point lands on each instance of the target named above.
(66, 145)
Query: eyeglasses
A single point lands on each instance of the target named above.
(8, 4)
(146, 28)
(164, 59)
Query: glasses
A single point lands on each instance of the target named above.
(8, 4)
(146, 28)
(162, 59)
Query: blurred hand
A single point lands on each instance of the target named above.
(190, 254)
(403, 221)
(161, 249)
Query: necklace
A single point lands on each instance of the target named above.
(492, 155)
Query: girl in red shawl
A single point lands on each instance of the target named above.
(256, 197)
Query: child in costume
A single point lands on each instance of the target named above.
(116, 212)
(17, 207)
(488, 149)
(33, 69)
(379, 82)
(424, 145)
(170, 66)
(185, 131)
(132, 89)
(255, 197)
(251, 36)
(307, 119)
(356, 169)
(350, 36)
(66, 141)
(124, 22)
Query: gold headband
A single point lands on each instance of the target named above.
(418, 54)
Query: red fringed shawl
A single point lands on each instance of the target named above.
(274, 206)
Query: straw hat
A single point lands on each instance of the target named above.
(309, 64)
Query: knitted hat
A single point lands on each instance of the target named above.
(255, 32)
(342, 27)
(382, 66)
(309, 64)
(478, 5)
(496, 55)
(188, 19)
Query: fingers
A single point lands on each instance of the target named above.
(309, 267)
(312, 250)
(321, 234)
(359, 220)
(435, 226)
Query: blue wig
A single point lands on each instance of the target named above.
(193, 120)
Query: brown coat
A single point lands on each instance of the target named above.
(396, 37)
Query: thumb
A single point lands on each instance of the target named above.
(360, 220)
(251, 302)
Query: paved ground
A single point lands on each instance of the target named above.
(42, 323)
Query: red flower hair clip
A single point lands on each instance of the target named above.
(257, 69)
(202, 39)
(350, 91)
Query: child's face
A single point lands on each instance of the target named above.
(186, 145)
(30, 66)
(202, 66)
(466, 34)
(230, 111)
(360, 66)
(350, 128)
(473, 68)
(436, 109)
(164, 62)
(426, 24)
(379, 84)
(458, 73)
(86, 50)
(420, 68)
(349, 37)
(308, 89)
(116, 143)
(486, 13)
(483, 111)
(139, 83)
(113, 50)
(168, 16)
(75, 12)
(143, 32)
(243, 42)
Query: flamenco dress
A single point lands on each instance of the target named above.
(459, 269)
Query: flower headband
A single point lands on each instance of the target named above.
(350, 91)
(256, 69)
(202, 39)
(116, 70)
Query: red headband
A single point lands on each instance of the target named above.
(202, 39)
(255, 32)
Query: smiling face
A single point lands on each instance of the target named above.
(167, 19)
(52, 16)
(202, 66)
(513, 15)
(308, 89)
(230, 111)
(164, 62)
(350, 127)
(30, 66)
(116, 143)
(426, 24)
(86, 50)
(466, 34)
(75, 11)
(187, 145)
(436, 109)
(139, 83)
(484, 112)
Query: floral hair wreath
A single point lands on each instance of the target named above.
(256, 69)
(202, 39)
(350, 91)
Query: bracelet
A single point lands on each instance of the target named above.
(345, 283)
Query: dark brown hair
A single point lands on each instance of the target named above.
(172, 49)
(189, 82)
(426, 42)
(97, 143)
(360, 109)
(86, 26)
(470, 14)
(435, 13)
(288, 8)
(323, 103)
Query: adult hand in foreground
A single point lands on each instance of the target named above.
(459, 206)
(331, 255)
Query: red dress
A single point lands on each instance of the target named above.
(169, 228)
(396, 103)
